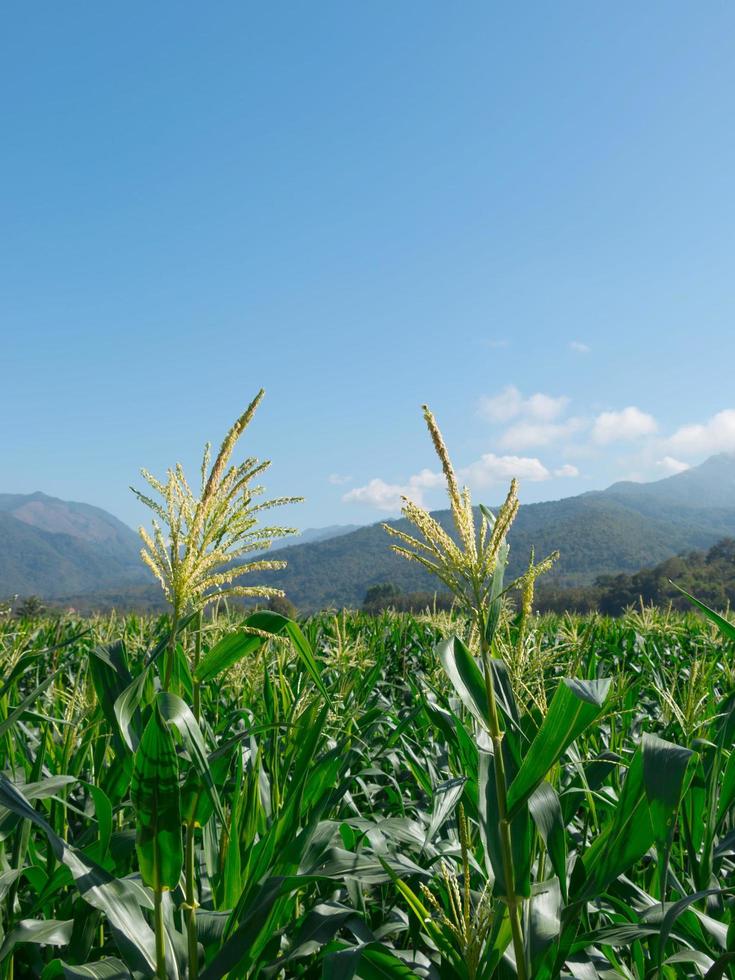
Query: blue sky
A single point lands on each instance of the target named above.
(521, 214)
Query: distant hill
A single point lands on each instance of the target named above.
(52, 547)
(709, 485)
(60, 550)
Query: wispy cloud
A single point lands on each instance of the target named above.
(579, 347)
(567, 470)
(338, 479)
(528, 435)
(388, 496)
(510, 404)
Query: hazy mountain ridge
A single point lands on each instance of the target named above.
(312, 534)
(622, 529)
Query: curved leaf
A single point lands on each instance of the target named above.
(574, 706)
(155, 795)
(47, 932)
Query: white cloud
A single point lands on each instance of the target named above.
(545, 408)
(670, 465)
(501, 407)
(510, 403)
(384, 496)
(567, 470)
(497, 344)
(427, 479)
(388, 496)
(337, 479)
(524, 435)
(490, 469)
(717, 435)
(630, 423)
(579, 347)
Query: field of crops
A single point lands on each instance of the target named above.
(476, 794)
(335, 810)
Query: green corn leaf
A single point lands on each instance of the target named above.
(47, 932)
(625, 839)
(108, 668)
(727, 629)
(544, 922)
(235, 646)
(727, 789)
(445, 799)
(720, 967)
(468, 681)
(176, 712)
(520, 828)
(235, 955)
(495, 603)
(155, 795)
(574, 706)
(226, 653)
(127, 712)
(103, 812)
(665, 767)
(118, 899)
(7, 878)
(547, 815)
(664, 771)
(368, 961)
(677, 908)
(196, 803)
(109, 969)
(24, 663)
(15, 714)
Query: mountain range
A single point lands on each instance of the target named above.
(68, 551)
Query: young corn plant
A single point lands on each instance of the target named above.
(472, 568)
(197, 550)
(512, 771)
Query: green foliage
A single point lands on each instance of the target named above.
(327, 835)
(710, 575)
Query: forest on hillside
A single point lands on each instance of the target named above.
(708, 574)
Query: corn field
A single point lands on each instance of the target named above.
(333, 813)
